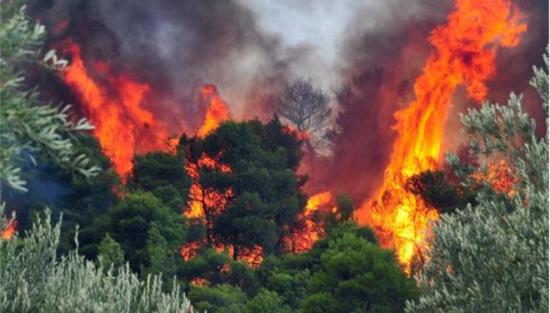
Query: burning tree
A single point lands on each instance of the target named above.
(246, 192)
(494, 256)
(465, 50)
(303, 105)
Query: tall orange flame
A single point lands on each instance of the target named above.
(465, 55)
(217, 110)
(114, 106)
(9, 230)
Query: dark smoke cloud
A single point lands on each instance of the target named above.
(175, 46)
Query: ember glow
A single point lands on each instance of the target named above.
(465, 49)
(9, 230)
(114, 105)
(500, 176)
(201, 200)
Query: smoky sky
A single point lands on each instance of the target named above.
(364, 54)
(174, 46)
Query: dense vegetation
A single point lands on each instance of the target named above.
(237, 214)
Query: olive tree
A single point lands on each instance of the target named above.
(493, 257)
(28, 126)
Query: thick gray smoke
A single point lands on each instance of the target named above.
(176, 46)
(365, 54)
(247, 48)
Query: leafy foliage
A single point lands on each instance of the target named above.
(265, 195)
(36, 280)
(357, 276)
(439, 191)
(110, 252)
(27, 126)
(149, 233)
(164, 176)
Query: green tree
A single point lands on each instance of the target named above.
(493, 257)
(110, 252)
(28, 126)
(356, 275)
(83, 201)
(221, 298)
(265, 197)
(438, 191)
(345, 207)
(140, 221)
(344, 213)
(266, 302)
(289, 281)
(160, 253)
(163, 175)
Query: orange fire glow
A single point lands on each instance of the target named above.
(318, 200)
(499, 176)
(217, 110)
(298, 134)
(199, 197)
(9, 230)
(465, 55)
(114, 105)
(303, 240)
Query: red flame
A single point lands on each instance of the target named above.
(9, 230)
(465, 55)
(114, 105)
(217, 110)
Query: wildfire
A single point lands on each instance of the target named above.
(465, 49)
(500, 176)
(217, 110)
(298, 134)
(113, 103)
(9, 230)
(200, 197)
(318, 200)
(313, 230)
